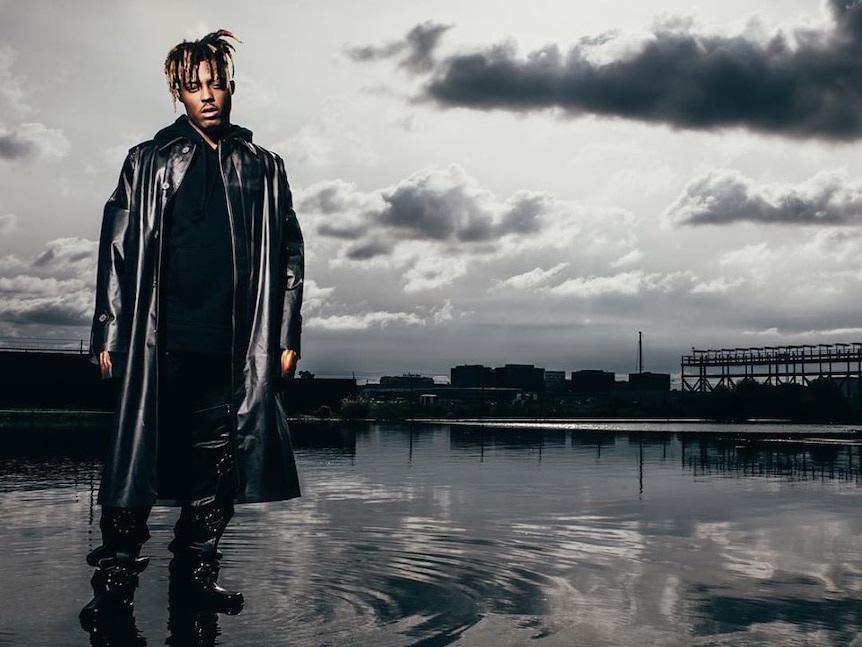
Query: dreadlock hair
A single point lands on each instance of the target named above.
(181, 65)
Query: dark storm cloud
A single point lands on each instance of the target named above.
(422, 211)
(415, 51)
(426, 210)
(340, 231)
(806, 86)
(13, 147)
(523, 216)
(431, 206)
(368, 250)
(331, 197)
(723, 197)
(32, 141)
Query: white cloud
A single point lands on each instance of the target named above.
(37, 286)
(111, 160)
(534, 278)
(768, 332)
(315, 297)
(755, 255)
(11, 86)
(53, 288)
(630, 258)
(791, 336)
(64, 309)
(834, 332)
(434, 272)
(326, 141)
(68, 257)
(626, 284)
(443, 313)
(8, 224)
(23, 141)
(720, 285)
(365, 321)
(841, 245)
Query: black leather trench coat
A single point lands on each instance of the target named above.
(268, 273)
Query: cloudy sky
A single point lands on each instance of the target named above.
(487, 182)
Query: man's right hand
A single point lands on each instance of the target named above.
(105, 364)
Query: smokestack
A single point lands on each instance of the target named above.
(640, 352)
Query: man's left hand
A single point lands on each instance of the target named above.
(288, 362)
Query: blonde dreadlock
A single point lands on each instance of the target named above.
(181, 65)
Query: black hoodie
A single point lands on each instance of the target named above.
(197, 286)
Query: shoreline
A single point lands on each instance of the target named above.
(55, 420)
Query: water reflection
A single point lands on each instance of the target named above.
(121, 631)
(789, 459)
(190, 627)
(431, 535)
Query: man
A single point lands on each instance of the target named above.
(197, 315)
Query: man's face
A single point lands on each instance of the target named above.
(207, 101)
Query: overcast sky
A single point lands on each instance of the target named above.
(493, 181)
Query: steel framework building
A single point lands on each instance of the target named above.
(705, 370)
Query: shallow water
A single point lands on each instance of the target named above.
(436, 535)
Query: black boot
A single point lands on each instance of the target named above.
(194, 584)
(117, 563)
(195, 566)
(114, 583)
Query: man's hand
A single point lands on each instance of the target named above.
(106, 366)
(288, 362)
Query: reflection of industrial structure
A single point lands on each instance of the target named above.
(794, 459)
(705, 370)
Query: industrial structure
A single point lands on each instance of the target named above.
(705, 370)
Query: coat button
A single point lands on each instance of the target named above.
(156, 234)
(103, 318)
(186, 149)
(165, 186)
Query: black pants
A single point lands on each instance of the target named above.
(195, 462)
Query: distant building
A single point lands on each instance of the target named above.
(489, 395)
(405, 388)
(525, 377)
(469, 376)
(593, 382)
(649, 382)
(308, 394)
(555, 377)
(555, 383)
(407, 381)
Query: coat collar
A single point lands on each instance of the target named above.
(179, 132)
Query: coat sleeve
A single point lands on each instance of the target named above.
(109, 330)
(292, 264)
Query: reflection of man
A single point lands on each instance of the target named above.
(198, 296)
